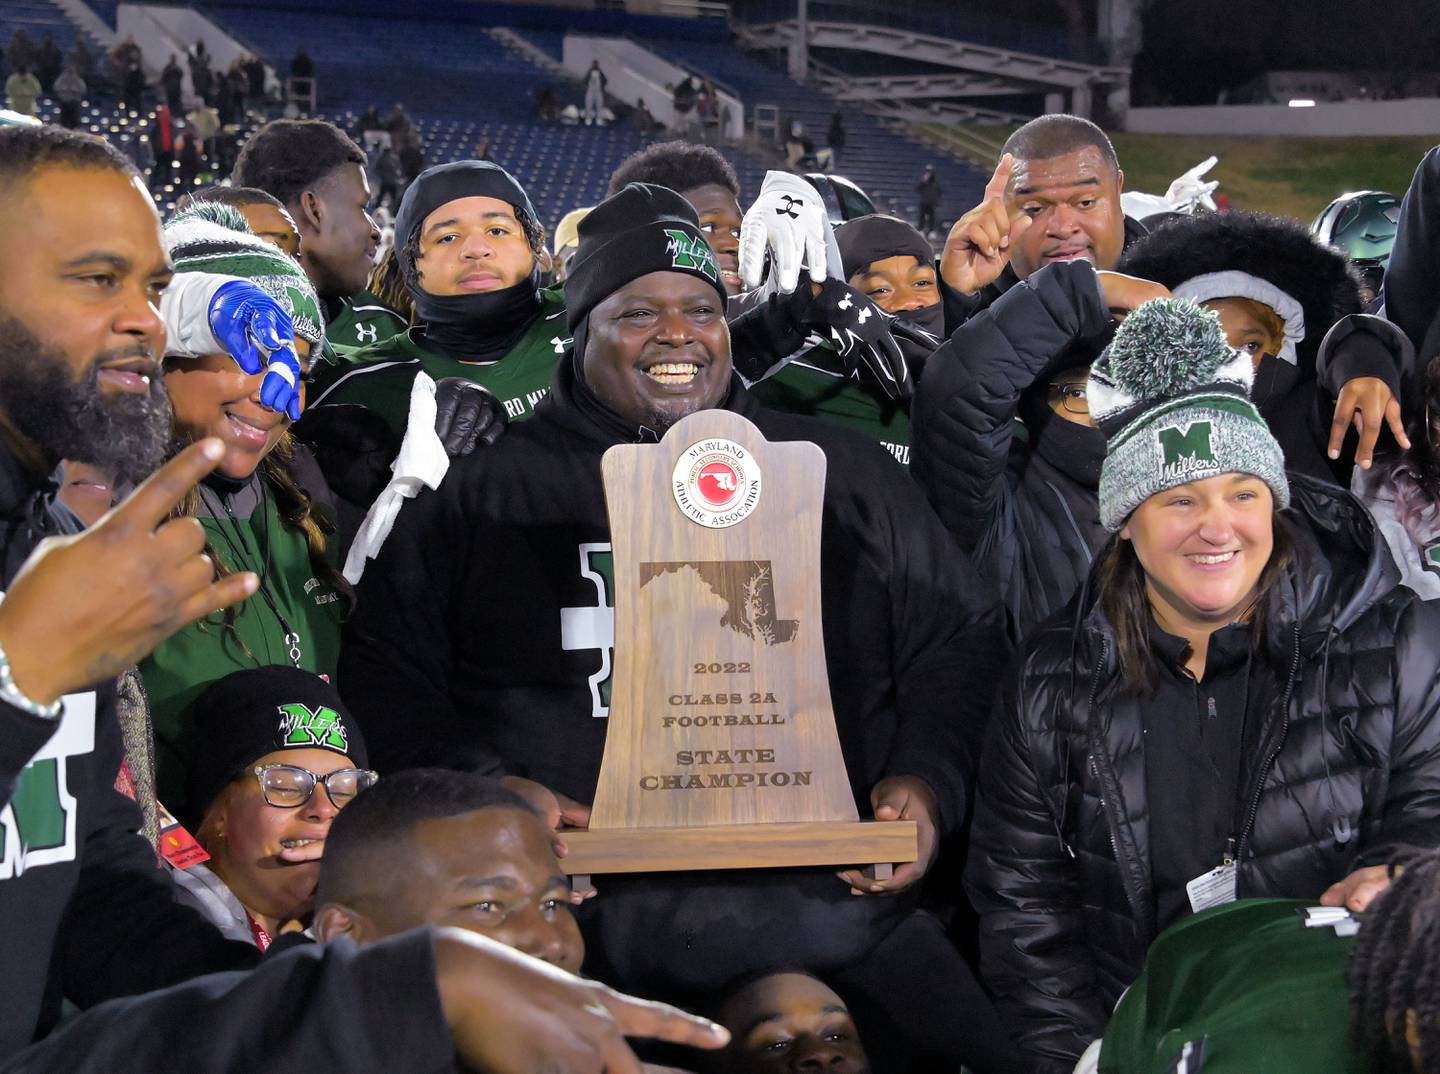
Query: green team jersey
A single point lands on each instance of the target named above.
(379, 377)
(816, 384)
(363, 319)
(183, 666)
(1267, 993)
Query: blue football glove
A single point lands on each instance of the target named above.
(257, 332)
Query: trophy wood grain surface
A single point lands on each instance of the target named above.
(737, 846)
(720, 713)
(677, 639)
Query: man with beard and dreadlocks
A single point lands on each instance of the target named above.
(465, 649)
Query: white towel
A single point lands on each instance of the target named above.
(422, 463)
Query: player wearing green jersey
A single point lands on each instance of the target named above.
(891, 263)
(466, 240)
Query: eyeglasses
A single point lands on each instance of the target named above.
(288, 786)
(1072, 398)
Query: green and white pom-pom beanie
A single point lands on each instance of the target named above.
(1173, 400)
(211, 237)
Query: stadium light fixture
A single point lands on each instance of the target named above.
(1301, 102)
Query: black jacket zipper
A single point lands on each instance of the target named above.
(1110, 802)
(1273, 753)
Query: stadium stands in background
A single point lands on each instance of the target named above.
(464, 83)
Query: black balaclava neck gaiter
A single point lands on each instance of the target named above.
(479, 327)
(331, 307)
(930, 318)
(473, 327)
(1077, 451)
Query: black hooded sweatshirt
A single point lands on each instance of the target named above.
(1412, 277)
(1023, 503)
(482, 642)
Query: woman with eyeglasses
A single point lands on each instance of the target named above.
(277, 756)
(265, 509)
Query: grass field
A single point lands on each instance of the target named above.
(1294, 177)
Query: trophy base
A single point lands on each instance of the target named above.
(740, 846)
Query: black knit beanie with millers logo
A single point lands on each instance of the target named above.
(642, 229)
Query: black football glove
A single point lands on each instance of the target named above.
(466, 416)
(862, 334)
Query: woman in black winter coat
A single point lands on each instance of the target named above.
(1239, 703)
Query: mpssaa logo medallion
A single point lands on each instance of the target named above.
(716, 483)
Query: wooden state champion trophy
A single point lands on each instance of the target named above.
(721, 750)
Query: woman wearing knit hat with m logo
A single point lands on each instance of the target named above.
(1238, 703)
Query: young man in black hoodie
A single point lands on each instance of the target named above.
(483, 636)
(86, 913)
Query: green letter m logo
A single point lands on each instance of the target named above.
(688, 253)
(301, 727)
(1186, 449)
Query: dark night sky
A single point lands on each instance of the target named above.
(1193, 48)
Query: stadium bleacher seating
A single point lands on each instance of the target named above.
(38, 18)
(886, 165)
(463, 85)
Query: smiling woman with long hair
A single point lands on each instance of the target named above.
(1240, 702)
(264, 509)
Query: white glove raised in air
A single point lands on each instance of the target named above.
(788, 219)
(1188, 193)
(1185, 195)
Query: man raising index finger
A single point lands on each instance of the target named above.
(1065, 178)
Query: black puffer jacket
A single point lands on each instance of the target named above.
(1060, 849)
(1025, 509)
(1412, 278)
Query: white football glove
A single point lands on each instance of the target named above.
(788, 219)
(1188, 193)
(1185, 195)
